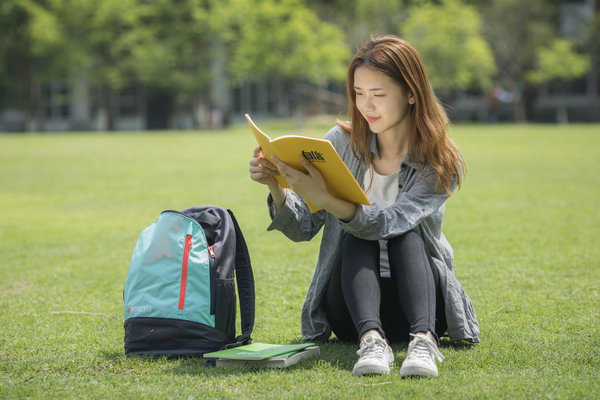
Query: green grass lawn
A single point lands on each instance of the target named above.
(524, 227)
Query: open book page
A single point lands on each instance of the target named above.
(321, 153)
(268, 150)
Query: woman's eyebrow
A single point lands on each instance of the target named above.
(370, 90)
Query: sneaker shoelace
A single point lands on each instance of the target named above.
(422, 347)
(371, 347)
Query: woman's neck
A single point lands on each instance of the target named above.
(392, 150)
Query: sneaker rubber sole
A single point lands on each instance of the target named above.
(416, 371)
(372, 369)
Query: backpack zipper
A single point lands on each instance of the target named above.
(213, 278)
(184, 268)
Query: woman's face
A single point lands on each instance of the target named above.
(381, 101)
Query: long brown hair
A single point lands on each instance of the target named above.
(429, 143)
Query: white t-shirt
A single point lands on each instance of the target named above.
(383, 191)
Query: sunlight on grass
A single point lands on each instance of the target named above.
(524, 228)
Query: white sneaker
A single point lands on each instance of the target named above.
(375, 356)
(420, 360)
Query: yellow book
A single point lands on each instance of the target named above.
(321, 153)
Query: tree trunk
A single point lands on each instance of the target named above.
(81, 104)
(519, 112)
(107, 112)
(562, 114)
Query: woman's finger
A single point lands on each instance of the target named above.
(259, 160)
(308, 165)
(283, 168)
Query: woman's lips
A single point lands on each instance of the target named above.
(372, 119)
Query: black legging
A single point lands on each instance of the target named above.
(358, 299)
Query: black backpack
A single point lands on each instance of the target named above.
(179, 296)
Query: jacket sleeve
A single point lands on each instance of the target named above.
(416, 203)
(294, 219)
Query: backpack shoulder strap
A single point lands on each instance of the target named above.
(245, 283)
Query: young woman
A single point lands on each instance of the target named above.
(385, 272)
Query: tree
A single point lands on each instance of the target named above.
(592, 44)
(282, 42)
(15, 53)
(84, 38)
(559, 62)
(116, 43)
(172, 50)
(182, 46)
(448, 38)
(375, 18)
(515, 29)
(284, 38)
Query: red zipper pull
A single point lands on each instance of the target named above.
(211, 252)
(184, 271)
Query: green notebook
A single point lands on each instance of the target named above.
(258, 351)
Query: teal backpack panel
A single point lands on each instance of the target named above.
(170, 272)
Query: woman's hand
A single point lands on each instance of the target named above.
(263, 171)
(312, 188)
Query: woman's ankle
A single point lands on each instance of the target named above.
(371, 332)
(429, 335)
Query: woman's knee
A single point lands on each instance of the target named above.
(351, 240)
(408, 239)
(351, 245)
(408, 251)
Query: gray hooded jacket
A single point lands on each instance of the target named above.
(418, 207)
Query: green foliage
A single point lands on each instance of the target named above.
(169, 46)
(524, 234)
(283, 38)
(559, 61)
(116, 42)
(82, 38)
(378, 14)
(448, 38)
(172, 44)
(591, 42)
(515, 29)
(362, 19)
(16, 60)
(374, 18)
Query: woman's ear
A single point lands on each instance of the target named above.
(411, 99)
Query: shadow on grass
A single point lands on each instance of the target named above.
(335, 354)
(460, 345)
